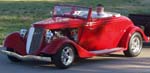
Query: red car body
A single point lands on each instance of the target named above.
(94, 36)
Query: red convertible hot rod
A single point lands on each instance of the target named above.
(75, 32)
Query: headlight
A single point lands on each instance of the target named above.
(49, 36)
(23, 32)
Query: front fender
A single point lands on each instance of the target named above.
(15, 42)
(126, 37)
(53, 47)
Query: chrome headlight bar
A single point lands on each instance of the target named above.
(23, 32)
(49, 36)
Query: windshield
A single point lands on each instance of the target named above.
(71, 11)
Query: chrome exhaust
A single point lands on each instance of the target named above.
(26, 57)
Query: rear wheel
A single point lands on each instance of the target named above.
(64, 57)
(11, 58)
(134, 46)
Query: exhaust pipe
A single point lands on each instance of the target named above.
(26, 57)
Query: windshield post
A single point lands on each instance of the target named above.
(89, 14)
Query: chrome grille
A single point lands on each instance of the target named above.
(36, 39)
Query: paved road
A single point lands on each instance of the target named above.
(115, 63)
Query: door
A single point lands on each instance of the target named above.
(102, 34)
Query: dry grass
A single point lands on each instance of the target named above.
(17, 14)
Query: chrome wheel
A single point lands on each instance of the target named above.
(67, 55)
(134, 46)
(64, 57)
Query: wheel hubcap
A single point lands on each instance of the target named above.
(67, 55)
(135, 44)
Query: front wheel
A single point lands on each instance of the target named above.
(64, 57)
(11, 58)
(134, 46)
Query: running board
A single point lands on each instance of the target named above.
(106, 51)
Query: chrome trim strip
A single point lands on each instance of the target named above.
(106, 51)
(29, 39)
(26, 57)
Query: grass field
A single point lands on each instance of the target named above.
(18, 14)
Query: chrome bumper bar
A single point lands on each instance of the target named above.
(26, 57)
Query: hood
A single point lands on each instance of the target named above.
(59, 22)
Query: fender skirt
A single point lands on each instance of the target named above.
(15, 42)
(126, 37)
(53, 47)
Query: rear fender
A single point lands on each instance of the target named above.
(53, 47)
(126, 37)
(15, 42)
